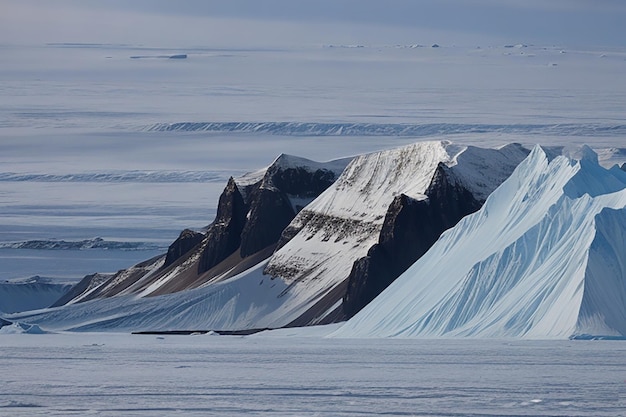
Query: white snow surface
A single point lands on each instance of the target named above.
(59, 375)
(543, 258)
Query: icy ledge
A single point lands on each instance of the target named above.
(544, 258)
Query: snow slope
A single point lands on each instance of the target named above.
(543, 258)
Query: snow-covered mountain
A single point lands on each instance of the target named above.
(340, 227)
(543, 258)
(306, 278)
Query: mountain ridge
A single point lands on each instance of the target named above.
(528, 278)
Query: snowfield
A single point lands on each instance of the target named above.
(95, 144)
(204, 375)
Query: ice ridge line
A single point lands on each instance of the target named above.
(386, 129)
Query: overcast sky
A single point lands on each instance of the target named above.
(253, 23)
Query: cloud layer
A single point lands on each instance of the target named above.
(285, 22)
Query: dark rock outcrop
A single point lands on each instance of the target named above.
(301, 182)
(4, 322)
(223, 236)
(187, 240)
(254, 218)
(251, 215)
(624, 166)
(410, 228)
(269, 214)
(281, 195)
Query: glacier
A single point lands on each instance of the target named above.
(542, 259)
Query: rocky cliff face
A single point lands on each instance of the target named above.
(252, 224)
(187, 240)
(410, 228)
(223, 236)
(383, 212)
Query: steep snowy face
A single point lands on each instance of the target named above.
(412, 226)
(340, 226)
(543, 258)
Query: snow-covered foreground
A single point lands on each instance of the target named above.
(120, 374)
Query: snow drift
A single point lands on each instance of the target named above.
(545, 257)
(21, 328)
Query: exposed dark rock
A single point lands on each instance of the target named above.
(270, 213)
(624, 166)
(187, 240)
(255, 219)
(410, 228)
(301, 182)
(4, 322)
(223, 236)
(272, 209)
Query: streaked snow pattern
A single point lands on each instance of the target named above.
(543, 258)
(389, 129)
(344, 222)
